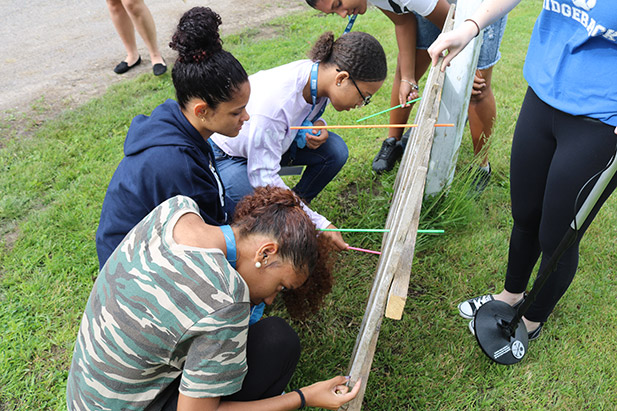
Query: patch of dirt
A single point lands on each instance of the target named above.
(57, 55)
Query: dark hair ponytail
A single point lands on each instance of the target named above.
(358, 53)
(277, 213)
(203, 69)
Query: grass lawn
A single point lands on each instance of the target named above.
(54, 176)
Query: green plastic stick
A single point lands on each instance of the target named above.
(386, 110)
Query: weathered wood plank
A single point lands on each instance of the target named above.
(415, 178)
(395, 251)
(445, 143)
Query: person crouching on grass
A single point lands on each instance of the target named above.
(166, 324)
(345, 72)
(167, 153)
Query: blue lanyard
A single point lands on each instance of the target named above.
(352, 20)
(300, 139)
(230, 242)
(314, 71)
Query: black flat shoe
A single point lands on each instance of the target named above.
(123, 67)
(159, 69)
(535, 333)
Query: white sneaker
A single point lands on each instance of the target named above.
(467, 309)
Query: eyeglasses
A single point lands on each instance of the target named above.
(365, 100)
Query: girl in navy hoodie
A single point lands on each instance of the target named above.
(167, 153)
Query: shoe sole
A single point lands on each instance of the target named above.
(462, 314)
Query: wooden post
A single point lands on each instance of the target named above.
(402, 222)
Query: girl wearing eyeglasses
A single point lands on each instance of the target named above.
(344, 73)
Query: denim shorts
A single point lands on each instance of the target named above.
(427, 32)
(491, 40)
(489, 52)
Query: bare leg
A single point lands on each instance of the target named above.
(124, 26)
(391, 150)
(513, 298)
(508, 297)
(482, 112)
(401, 115)
(144, 23)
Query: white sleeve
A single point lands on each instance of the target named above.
(422, 7)
(266, 146)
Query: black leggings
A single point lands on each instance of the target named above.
(553, 155)
(272, 353)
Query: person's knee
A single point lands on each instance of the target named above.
(133, 7)
(484, 94)
(339, 153)
(341, 156)
(482, 86)
(114, 5)
(279, 337)
(527, 220)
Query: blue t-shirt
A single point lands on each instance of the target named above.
(572, 58)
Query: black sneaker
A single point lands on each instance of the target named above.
(481, 179)
(405, 138)
(389, 153)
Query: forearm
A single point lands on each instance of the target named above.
(285, 402)
(405, 31)
(456, 40)
(329, 394)
(491, 10)
(289, 401)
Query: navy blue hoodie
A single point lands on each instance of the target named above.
(164, 155)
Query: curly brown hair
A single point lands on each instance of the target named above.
(277, 212)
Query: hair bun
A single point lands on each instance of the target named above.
(322, 49)
(197, 35)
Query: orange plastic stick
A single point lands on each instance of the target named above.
(364, 126)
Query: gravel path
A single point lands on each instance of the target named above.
(62, 53)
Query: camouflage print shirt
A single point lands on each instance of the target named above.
(160, 310)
